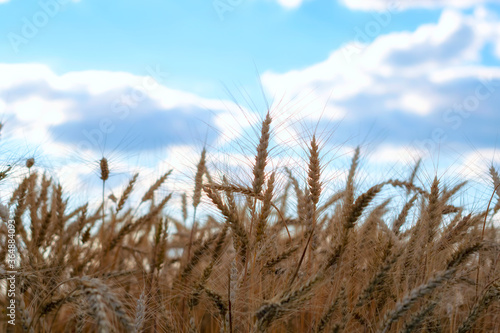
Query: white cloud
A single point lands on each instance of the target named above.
(95, 82)
(390, 154)
(382, 5)
(3, 107)
(41, 112)
(403, 70)
(412, 102)
(290, 4)
(37, 100)
(390, 5)
(17, 74)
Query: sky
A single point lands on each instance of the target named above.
(149, 83)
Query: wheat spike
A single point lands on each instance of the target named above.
(104, 167)
(198, 179)
(126, 193)
(150, 192)
(261, 157)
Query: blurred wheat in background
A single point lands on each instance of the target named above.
(282, 251)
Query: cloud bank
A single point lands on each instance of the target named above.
(380, 5)
(426, 87)
(89, 109)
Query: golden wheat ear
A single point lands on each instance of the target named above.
(198, 187)
(104, 168)
(261, 157)
(30, 162)
(126, 193)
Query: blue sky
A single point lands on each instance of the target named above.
(198, 44)
(152, 81)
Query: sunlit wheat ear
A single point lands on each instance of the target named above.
(30, 162)
(43, 229)
(349, 221)
(433, 212)
(240, 236)
(104, 167)
(19, 196)
(360, 204)
(126, 193)
(349, 191)
(198, 187)
(266, 209)
(149, 195)
(401, 219)
(184, 207)
(314, 172)
(261, 157)
(311, 197)
(198, 179)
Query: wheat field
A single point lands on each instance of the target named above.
(277, 252)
